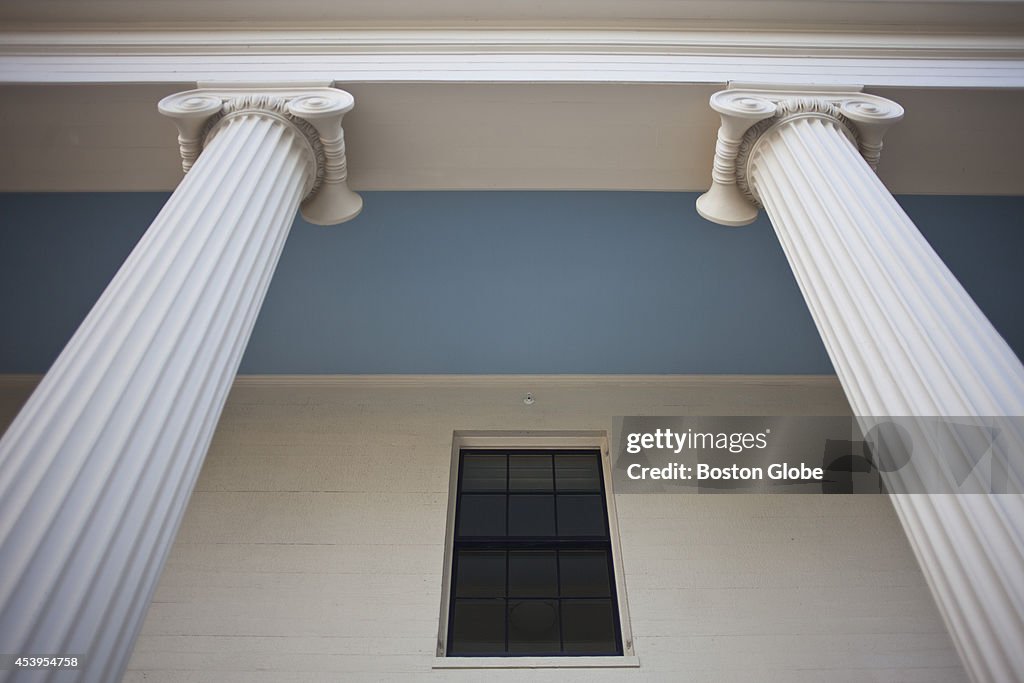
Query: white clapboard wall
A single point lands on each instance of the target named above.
(313, 546)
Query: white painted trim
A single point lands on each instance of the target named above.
(533, 68)
(624, 662)
(539, 440)
(553, 41)
(625, 626)
(496, 55)
(978, 16)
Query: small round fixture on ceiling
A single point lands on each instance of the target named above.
(528, 399)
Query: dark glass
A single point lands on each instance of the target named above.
(481, 515)
(531, 557)
(588, 626)
(532, 574)
(483, 472)
(578, 473)
(478, 627)
(584, 573)
(531, 515)
(533, 627)
(581, 515)
(529, 473)
(480, 574)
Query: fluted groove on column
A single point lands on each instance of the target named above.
(904, 336)
(270, 249)
(917, 376)
(96, 470)
(962, 520)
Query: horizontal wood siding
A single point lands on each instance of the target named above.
(313, 546)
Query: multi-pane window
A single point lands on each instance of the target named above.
(532, 570)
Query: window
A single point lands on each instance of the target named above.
(531, 567)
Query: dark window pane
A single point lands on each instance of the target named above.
(531, 515)
(529, 473)
(533, 627)
(480, 574)
(532, 573)
(516, 588)
(478, 627)
(581, 515)
(588, 626)
(584, 573)
(483, 472)
(580, 472)
(482, 515)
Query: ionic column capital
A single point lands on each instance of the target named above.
(749, 115)
(314, 113)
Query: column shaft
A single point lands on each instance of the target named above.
(905, 339)
(869, 274)
(96, 470)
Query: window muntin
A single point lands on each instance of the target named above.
(532, 566)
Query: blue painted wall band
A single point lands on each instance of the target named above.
(497, 282)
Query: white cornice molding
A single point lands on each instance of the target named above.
(991, 16)
(495, 55)
(555, 41)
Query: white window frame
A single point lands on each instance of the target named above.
(590, 440)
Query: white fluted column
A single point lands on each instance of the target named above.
(903, 335)
(96, 470)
